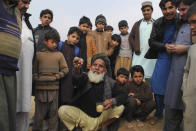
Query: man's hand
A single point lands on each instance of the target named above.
(131, 94)
(179, 49)
(107, 103)
(170, 47)
(77, 64)
(138, 102)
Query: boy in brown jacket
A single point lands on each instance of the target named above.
(140, 102)
(102, 39)
(49, 67)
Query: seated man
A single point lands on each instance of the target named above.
(91, 89)
(140, 102)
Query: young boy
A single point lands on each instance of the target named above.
(140, 102)
(69, 50)
(46, 17)
(189, 86)
(49, 67)
(87, 43)
(124, 58)
(102, 39)
(109, 29)
(116, 42)
(122, 77)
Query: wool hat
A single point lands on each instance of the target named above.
(100, 18)
(146, 3)
(106, 60)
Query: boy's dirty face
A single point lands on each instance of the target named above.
(84, 28)
(73, 38)
(51, 44)
(100, 26)
(138, 77)
(122, 79)
(192, 21)
(115, 43)
(46, 19)
(124, 29)
(169, 11)
(109, 31)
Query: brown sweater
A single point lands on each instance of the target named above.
(91, 49)
(103, 42)
(49, 67)
(142, 92)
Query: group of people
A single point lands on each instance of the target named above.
(94, 78)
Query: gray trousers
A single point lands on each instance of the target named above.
(173, 120)
(7, 102)
(22, 121)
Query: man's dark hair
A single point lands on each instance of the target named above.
(73, 30)
(108, 27)
(186, 2)
(85, 20)
(117, 38)
(191, 10)
(146, 6)
(122, 23)
(46, 11)
(52, 34)
(137, 68)
(163, 2)
(123, 71)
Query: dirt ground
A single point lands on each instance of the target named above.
(123, 125)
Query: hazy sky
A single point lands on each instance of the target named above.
(68, 12)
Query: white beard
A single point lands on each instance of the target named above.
(95, 78)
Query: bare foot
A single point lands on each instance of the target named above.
(140, 123)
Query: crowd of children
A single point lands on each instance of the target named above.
(148, 86)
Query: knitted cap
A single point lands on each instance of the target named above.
(147, 3)
(100, 18)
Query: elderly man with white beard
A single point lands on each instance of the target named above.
(97, 98)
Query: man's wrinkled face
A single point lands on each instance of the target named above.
(98, 66)
(23, 6)
(147, 13)
(169, 11)
(182, 10)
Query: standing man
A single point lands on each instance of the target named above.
(10, 45)
(163, 31)
(24, 75)
(138, 39)
(178, 50)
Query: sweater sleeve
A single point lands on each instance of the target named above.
(146, 95)
(110, 49)
(62, 67)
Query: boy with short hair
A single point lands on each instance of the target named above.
(109, 29)
(102, 39)
(124, 58)
(46, 18)
(188, 86)
(87, 43)
(49, 67)
(122, 77)
(69, 50)
(140, 102)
